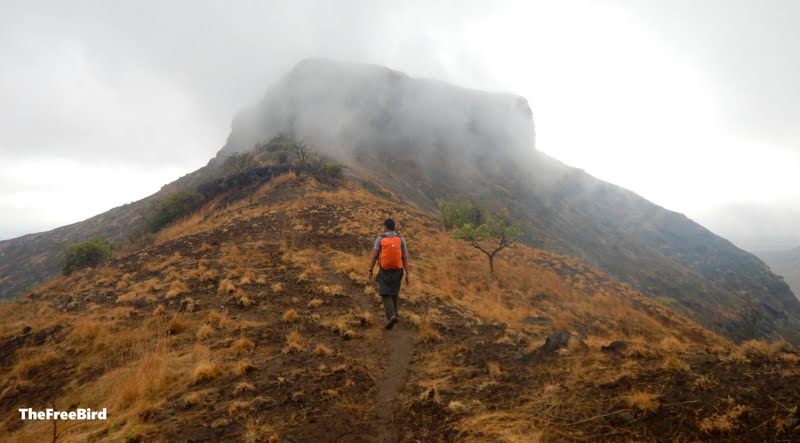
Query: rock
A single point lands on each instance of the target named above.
(556, 340)
(621, 419)
(26, 330)
(616, 346)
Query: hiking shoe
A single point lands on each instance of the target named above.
(391, 322)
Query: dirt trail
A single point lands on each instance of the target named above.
(400, 342)
(400, 345)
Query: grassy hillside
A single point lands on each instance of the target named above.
(254, 320)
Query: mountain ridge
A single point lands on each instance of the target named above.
(254, 320)
(425, 140)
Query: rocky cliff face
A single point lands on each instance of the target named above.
(354, 110)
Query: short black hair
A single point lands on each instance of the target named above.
(389, 223)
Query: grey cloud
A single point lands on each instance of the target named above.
(153, 83)
(749, 49)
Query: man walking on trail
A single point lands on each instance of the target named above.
(391, 249)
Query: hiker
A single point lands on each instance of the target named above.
(393, 254)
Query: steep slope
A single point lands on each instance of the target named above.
(257, 322)
(785, 263)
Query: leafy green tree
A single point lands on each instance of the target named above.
(88, 253)
(488, 233)
(456, 212)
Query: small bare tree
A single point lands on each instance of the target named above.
(301, 151)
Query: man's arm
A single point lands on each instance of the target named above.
(375, 254)
(406, 264)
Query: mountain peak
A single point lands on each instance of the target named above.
(345, 107)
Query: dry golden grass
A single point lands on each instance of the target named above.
(675, 363)
(218, 320)
(238, 406)
(209, 275)
(189, 225)
(722, 422)
(762, 349)
(248, 277)
(427, 332)
(322, 350)
(642, 400)
(193, 399)
(315, 303)
(242, 299)
(205, 371)
(34, 361)
(290, 316)
(704, 383)
(243, 345)
(226, 287)
(505, 427)
(243, 387)
(243, 367)
(178, 324)
(204, 331)
(493, 368)
(87, 329)
(177, 288)
(277, 287)
(295, 342)
(335, 290)
(456, 406)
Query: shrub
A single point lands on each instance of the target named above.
(238, 163)
(277, 143)
(210, 187)
(88, 253)
(283, 157)
(334, 170)
(174, 207)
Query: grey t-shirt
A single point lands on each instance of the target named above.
(377, 246)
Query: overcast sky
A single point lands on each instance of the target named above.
(692, 104)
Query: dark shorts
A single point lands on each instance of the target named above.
(389, 281)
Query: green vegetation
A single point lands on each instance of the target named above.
(238, 163)
(283, 157)
(85, 254)
(174, 207)
(457, 212)
(488, 233)
(334, 170)
(276, 144)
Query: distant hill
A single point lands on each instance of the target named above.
(425, 139)
(786, 264)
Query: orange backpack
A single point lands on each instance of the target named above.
(391, 253)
